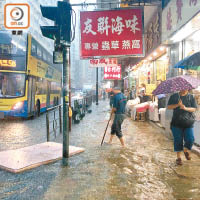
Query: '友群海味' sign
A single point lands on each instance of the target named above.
(112, 33)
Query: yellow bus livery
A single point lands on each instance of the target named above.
(29, 81)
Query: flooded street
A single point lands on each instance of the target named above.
(144, 170)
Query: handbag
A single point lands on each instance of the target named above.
(185, 119)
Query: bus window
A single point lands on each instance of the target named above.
(33, 49)
(39, 52)
(12, 44)
(44, 56)
(55, 88)
(12, 85)
(41, 86)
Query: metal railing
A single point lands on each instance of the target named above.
(55, 120)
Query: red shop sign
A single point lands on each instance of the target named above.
(103, 62)
(112, 72)
(112, 33)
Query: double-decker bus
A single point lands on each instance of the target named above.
(29, 81)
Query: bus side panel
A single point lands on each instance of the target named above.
(42, 100)
(22, 112)
(31, 95)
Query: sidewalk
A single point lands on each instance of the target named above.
(144, 170)
(195, 148)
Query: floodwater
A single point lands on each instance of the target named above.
(144, 170)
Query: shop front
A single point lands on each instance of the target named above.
(150, 70)
(180, 31)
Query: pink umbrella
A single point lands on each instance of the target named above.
(177, 84)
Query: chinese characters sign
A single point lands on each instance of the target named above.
(103, 62)
(112, 72)
(176, 14)
(153, 33)
(112, 33)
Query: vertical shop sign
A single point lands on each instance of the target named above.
(112, 33)
(112, 72)
(176, 14)
(153, 33)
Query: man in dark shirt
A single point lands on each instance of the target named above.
(119, 104)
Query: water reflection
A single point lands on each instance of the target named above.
(144, 170)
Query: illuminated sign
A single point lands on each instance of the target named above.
(112, 33)
(7, 63)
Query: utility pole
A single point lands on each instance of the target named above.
(66, 68)
(61, 34)
(97, 93)
(65, 104)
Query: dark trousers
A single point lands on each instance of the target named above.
(116, 126)
(182, 138)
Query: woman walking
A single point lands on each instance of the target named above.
(183, 105)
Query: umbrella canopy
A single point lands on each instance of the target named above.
(191, 62)
(177, 84)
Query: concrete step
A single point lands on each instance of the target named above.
(22, 159)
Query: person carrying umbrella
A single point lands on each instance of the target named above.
(183, 105)
(183, 134)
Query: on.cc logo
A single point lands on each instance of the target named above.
(16, 14)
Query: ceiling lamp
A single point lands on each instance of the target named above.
(162, 48)
(155, 53)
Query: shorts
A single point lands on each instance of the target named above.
(116, 126)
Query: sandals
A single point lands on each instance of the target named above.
(187, 156)
(179, 161)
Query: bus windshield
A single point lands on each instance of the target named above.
(12, 85)
(12, 44)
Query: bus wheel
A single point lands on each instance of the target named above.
(38, 109)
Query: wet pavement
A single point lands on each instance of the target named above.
(144, 170)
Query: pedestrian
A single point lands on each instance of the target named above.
(183, 105)
(161, 98)
(118, 109)
(133, 93)
(104, 95)
(111, 98)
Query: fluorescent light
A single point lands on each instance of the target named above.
(162, 48)
(155, 53)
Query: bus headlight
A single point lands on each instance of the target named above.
(18, 105)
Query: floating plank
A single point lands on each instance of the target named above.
(22, 159)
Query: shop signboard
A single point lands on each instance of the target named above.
(153, 33)
(161, 70)
(150, 88)
(103, 62)
(112, 33)
(112, 72)
(176, 14)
